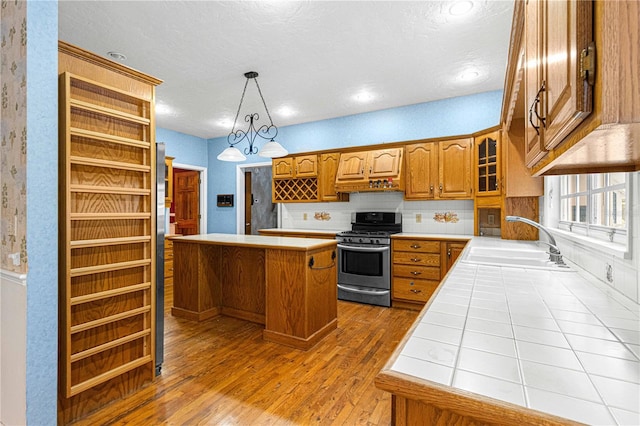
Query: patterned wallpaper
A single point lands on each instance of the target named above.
(13, 148)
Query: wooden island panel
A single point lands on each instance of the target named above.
(261, 279)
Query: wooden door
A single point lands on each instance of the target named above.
(385, 163)
(248, 203)
(533, 84)
(421, 168)
(451, 252)
(187, 201)
(567, 29)
(352, 167)
(454, 168)
(306, 166)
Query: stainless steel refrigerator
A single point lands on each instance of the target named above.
(160, 228)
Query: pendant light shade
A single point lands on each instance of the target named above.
(272, 149)
(231, 154)
(267, 132)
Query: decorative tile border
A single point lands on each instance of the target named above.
(446, 217)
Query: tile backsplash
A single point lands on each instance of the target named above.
(432, 217)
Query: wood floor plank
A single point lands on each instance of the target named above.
(221, 371)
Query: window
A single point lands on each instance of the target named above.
(595, 205)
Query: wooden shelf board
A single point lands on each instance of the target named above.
(94, 381)
(112, 318)
(108, 267)
(109, 293)
(109, 216)
(76, 131)
(96, 162)
(110, 345)
(109, 241)
(93, 189)
(110, 112)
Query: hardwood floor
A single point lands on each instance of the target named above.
(221, 372)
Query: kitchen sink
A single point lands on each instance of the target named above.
(519, 258)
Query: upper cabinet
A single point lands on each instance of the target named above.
(328, 169)
(558, 80)
(487, 164)
(437, 170)
(370, 170)
(573, 84)
(295, 167)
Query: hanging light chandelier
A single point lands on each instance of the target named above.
(271, 149)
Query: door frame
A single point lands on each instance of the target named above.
(240, 169)
(203, 194)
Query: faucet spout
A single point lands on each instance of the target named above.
(554, 251)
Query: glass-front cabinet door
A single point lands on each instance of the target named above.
(488, 172)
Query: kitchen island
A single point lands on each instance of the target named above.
(512, 344)
(288, 284)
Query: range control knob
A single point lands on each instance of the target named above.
(360, 240)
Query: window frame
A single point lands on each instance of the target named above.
(609, 234)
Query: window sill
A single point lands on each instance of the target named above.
(593, 244)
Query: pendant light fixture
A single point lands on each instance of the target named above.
(271, 149)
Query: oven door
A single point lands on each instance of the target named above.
(364, 265)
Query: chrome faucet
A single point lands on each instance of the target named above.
(554, 252)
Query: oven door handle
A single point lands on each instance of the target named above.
(364, 249)
(370, 292)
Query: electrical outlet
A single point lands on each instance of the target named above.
(304, 216)
(608, 270)
(418, 218)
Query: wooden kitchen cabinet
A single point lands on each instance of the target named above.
(168, 181)
(415, 271)
(439, 170)
(558, 94)
(375, 170)
(450, 252)
(328, 169)
(295, 167)
(488, 167)
(107, 271)
(168, 262)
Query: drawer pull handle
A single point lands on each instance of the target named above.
(415, 246)
(416, 272)
(415, 259)
(415, 291)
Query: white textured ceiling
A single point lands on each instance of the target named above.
(313, 57)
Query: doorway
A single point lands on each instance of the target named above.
(255, 209)
(189, 208)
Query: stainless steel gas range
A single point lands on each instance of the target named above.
(364, 257)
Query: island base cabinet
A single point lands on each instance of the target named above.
(292, 292)
(300, 315)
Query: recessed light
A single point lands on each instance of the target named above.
(225, 122)
(163, 109)
(117, 56)
(364, 97)
(286, 111)
(461, 7)
(469, 75)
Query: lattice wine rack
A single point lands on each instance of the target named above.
(292, 190)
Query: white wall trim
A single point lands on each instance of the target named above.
(203, 192)
(240, 192)
(13, 347)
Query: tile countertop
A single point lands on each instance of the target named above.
(258, 241)
(557, 342)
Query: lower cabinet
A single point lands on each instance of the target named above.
(418, 265)
(168, 262)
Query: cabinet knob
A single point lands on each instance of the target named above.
(431, 189)
(415, 246)
(416, 272)
(415, 291)
(415, 259)
(449, 252)
(440, 187)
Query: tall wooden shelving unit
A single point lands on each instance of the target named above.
(107, 231)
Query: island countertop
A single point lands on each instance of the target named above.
(259, 241)
(519, 345)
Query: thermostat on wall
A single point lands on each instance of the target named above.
(225, 200)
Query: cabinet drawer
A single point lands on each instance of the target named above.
(417, 246)
(416, 271)
(413, 289)
(418, 258)
(168, 268)
(168, 244)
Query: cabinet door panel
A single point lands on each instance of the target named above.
(282, 168)
(566, 31)
(351, 166)
(421, 167)
(306, 166)
(385, 163)
(327, 180)
(454, 159)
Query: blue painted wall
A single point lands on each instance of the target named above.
(42, 212)
(448, 117)
(185, 148)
